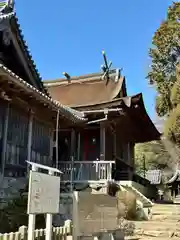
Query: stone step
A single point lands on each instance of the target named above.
(135, 238)
(146, 202)
(172, 208)
(143, 233)
(175, 210)
(165, 206)
(161, 228)
(168, 213)
(160, 217)
(157, 225)
(154, 238)
(177, 200)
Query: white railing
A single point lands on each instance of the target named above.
(86, 171)
(64, 233)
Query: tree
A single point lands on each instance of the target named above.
(165, 55)
(165, 72)
(172, 124)
(154, 154)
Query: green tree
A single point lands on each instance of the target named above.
(165, 54)
(153, 153)
(172, 124)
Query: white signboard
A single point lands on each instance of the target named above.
(44, 193)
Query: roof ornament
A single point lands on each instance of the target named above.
(6, 6)
(118, 74)
(10, 3)
(106, 68)
(67, 76)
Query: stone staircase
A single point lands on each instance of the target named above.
(97, 212)
(145, 201)
(163, 225)
(177, 199)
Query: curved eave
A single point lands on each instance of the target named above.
(68, 113)
(147, 130)
(13, 20)
(135, 110)
(125, 101)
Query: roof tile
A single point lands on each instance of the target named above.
(67, 112)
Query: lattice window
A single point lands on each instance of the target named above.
(41, 138)
(17, 138)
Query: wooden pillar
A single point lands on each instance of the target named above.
(114, 144)
(73, 139)
(174, 193)
(72, 157)
(29, 144)
(51, 147)
(30, 130)
(79, 147)
(128, 154)
(5, 134)
(130, 172)
(57, 139)
(114, 154)
(102, 141)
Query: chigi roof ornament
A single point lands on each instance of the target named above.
(67, 76)
(106, 69)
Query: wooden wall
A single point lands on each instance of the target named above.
(13, 155)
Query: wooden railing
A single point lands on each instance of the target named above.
(141, 180)
(58, 233)
(121, 175)
(86, 171)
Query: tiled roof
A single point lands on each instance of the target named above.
(11, 15)
(154, 176)
(65, 111)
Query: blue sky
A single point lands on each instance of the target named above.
(70, 35)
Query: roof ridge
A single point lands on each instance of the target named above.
(84, 77)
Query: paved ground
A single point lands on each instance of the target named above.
(98, 212)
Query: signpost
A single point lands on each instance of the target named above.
(43, 197)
